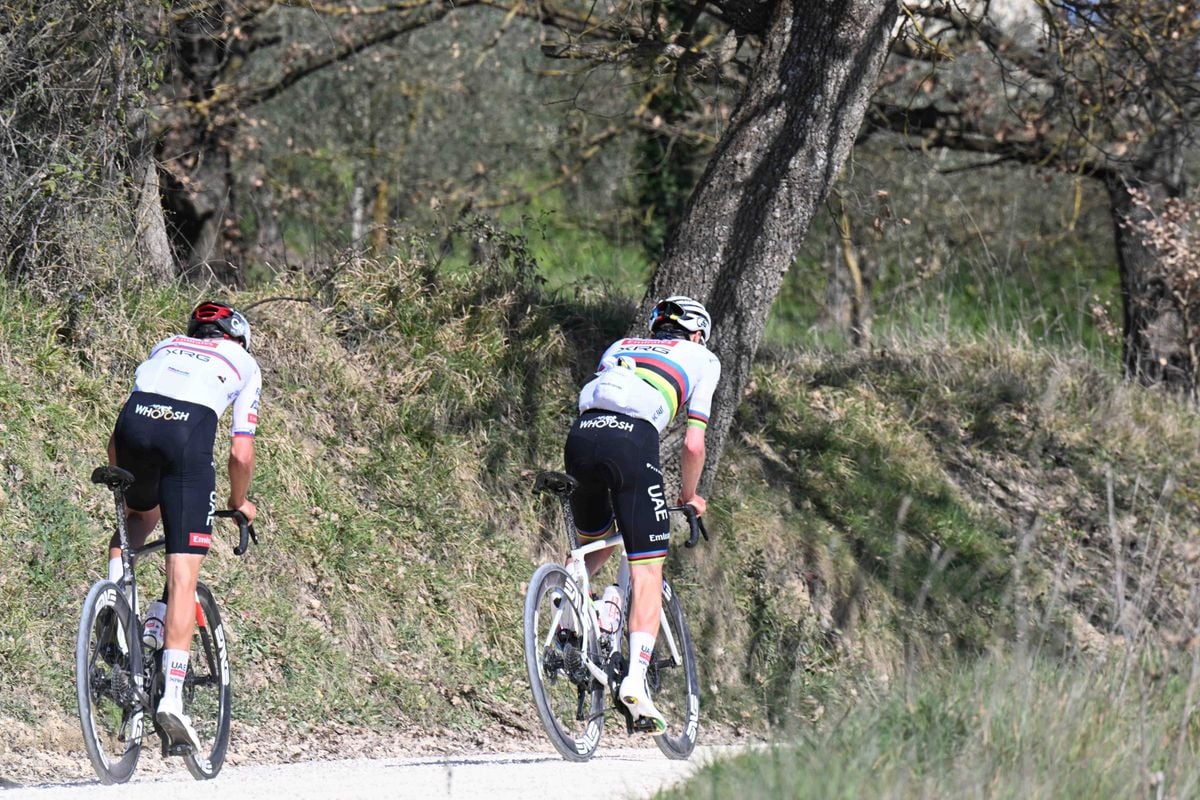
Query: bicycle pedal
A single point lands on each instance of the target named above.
(644, 725)
(179, 749)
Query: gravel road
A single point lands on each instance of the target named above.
(613, 773)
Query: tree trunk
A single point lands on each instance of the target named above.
(786, 143)
(206, 53)
(847, 293)
(1155, 344)
(153, 243)
(197, 204)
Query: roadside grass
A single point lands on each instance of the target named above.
(1007, 725)
(869, 517)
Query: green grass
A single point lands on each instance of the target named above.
(870, 512)
(1003, 726)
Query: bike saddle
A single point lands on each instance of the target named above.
(556, 483)
(112, 477)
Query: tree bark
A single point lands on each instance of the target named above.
(1155, 345)
(847, 295)
(153, 243)
(196, 205)
(774, 166)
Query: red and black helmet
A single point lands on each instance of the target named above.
(224, 318)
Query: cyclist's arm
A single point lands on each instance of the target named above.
(241, 451)
(241, 469)
(699, 408)
(692, 466)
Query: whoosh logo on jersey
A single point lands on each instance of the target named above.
(156, 411)
(606, 422)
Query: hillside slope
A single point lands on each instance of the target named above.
(907, 505)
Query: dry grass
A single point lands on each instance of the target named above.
(869, 516)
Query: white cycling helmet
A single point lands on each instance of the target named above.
(683, 312)
(222, 318)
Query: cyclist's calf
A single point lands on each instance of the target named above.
(646, 603)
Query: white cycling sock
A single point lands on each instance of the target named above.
(115, 570)
(641, 648)
(175, 662)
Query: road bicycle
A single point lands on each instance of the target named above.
(119, 680)
(573, 662)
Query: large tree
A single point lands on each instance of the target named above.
(773, 168)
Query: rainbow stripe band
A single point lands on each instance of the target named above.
(666, 376)
(602, 533)
(653, 557)
(697, 420)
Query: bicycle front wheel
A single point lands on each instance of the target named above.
(673, 681)
(110, 716)
(207, 698)
(570, 701)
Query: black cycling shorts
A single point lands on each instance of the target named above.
(615, 459)
(168, 446)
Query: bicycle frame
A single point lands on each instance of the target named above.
(128, 587)
(117, 480)
(578, 589)
(579, 592)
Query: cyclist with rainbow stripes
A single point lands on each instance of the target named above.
(612, 450)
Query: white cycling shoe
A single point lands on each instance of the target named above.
(178, 725)
(636, 697)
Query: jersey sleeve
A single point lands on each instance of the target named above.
(245, 405)
(699, 405)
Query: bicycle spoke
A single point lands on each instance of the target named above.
(206, 689)
(570, 702)
(673, 681)
(108, 713)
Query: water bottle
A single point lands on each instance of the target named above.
(610, 610)
(154, 630)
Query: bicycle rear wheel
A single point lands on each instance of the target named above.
(570, 701)
(673, 681)
(109, 714)
(207, 698)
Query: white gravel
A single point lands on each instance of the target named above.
(612, 773)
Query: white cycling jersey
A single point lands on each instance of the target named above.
(209, 372)
(652, 379)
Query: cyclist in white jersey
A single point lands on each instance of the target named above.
(612, 450)
(164, 436)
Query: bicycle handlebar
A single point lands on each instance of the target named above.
(695, 523)
(245, 528)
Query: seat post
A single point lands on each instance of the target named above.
(123, 537)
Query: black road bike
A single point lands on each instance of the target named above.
(119, 681)
(573, 662)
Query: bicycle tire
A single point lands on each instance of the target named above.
(673, 684)
(110, 718)
(555, 693)
(207, 693)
